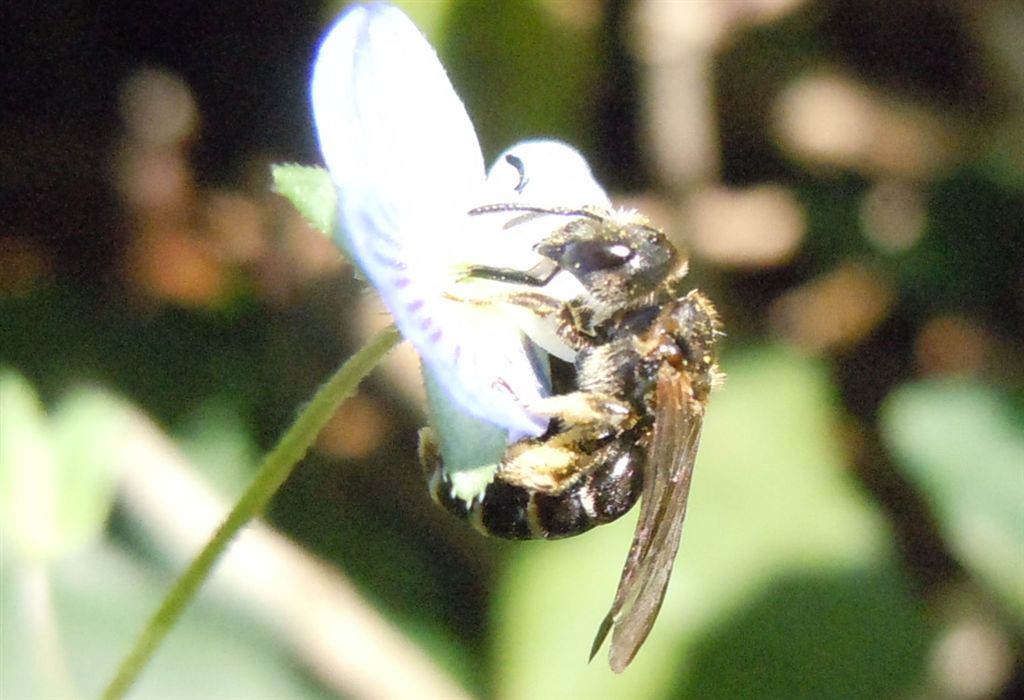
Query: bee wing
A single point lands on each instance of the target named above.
(645, 576)
(407, 166)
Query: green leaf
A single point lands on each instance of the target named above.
(56, 475)
(100, 593)
(311, 191)
(962, 445)
(786, 569)
(27, 469)
(89, 426)
(219, 442)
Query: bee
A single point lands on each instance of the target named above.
(625, 420)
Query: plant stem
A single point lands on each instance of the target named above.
(276, 467)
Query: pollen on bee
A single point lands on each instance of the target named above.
(540, 467)
(543, 457)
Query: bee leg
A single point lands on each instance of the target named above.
(598, 410)
(503, 509)
(438, 483)
(531, 498)
(572, 322)
(610, 485)
(537, 276)
(577, 318)
(547, 467)
(552, 465)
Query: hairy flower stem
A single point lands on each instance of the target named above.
(276, 467)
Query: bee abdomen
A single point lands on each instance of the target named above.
(606, 491)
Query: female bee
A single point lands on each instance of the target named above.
(626, 425)
(605, 297)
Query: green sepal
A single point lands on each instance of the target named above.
(310, 189)
(467, 443)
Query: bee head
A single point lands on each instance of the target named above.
(618, 257)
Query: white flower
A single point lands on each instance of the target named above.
(405, 160)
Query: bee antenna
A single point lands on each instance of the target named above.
(556, 211)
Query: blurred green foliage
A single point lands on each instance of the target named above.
(100, 597)
(961, 445)
(56, 476)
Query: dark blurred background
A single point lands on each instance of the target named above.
(848, 179)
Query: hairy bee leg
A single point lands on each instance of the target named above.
(439, 484)
(541, 467)
(583, 408)
(554, 464)
(504, 509)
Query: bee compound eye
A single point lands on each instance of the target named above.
(594, 256)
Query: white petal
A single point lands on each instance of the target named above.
(532, 173)
(554, 174)
(407, 165)
(546, 174)
(390, 124)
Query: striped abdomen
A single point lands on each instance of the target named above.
(607, 489)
